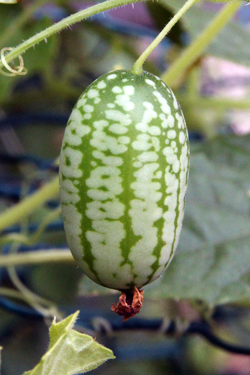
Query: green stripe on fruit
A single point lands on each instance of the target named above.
(123, 176)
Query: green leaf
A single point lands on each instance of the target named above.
(70, 352)
(212, 262)
(229, 44)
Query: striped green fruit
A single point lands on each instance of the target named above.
(123, 178)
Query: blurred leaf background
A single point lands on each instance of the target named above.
(211, 268)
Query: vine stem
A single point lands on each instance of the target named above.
(8, 1)
(137, 67)
(66, 22)
(215, 104)
(191, 53)
(28, 239)
(29, 204)
(9, 292)
(42, 305)
(52, 310)
(36, 257)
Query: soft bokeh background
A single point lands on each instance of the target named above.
(212, 262)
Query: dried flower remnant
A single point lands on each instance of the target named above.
(130, 303)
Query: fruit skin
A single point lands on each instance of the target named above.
(123, 177)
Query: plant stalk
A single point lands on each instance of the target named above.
(137, 67)
(63, 24)
(36, 257)
(192, 52)
(214, 103)
(29, 204)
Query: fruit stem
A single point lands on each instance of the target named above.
(137, 68)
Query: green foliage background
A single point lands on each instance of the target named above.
(212, 263)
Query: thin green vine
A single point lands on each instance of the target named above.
(195, 49)
(44, 306)
(37, 257)
(27, 239)
(63, 24)
(137, 67)
(9, 1)
(214, 103)
(29, 204)
(12, 293)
